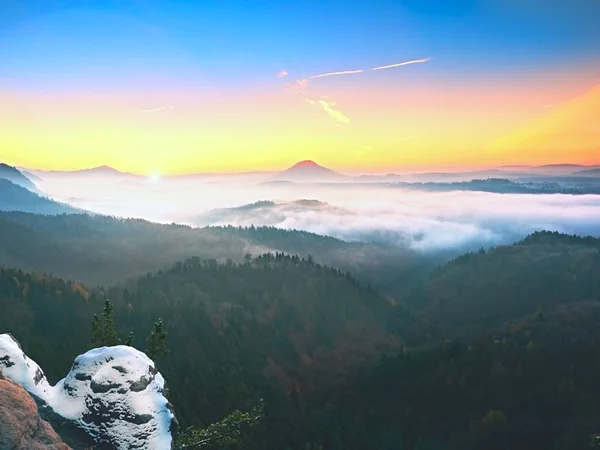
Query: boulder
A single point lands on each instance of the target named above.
(21, 427)
(114, 394)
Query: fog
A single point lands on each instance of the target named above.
(424, 221)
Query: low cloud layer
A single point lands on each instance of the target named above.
(423, 221)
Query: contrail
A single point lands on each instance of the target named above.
(331, 74)
(146, 111)
(406, 63)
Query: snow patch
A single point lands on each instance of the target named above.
(115, 394)
(18, 367)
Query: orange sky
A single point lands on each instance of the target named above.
(180, 87)
(268, 128)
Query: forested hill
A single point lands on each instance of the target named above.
(238, 332)
(17, 177)
(480, 290)
(105, 250)
(496, 350)
(14, 197)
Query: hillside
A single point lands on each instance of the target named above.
(488, 353)
(266, 213)
(242, 332)
(529, 385)
(505, 186)
(14, 197)
(104, 250)
(482, 290)
(588, 172)
(15, 176)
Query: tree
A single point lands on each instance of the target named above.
(97, 331)
(157, 341)
(104, 330)
(233, 429)
(129, 340)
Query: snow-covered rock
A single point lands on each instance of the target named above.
(115, 394)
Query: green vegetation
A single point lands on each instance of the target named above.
(17, 197)
(100, 250)
(104, 330)
(496, 349)
(234, 430)
(157, 341)
(104, 333)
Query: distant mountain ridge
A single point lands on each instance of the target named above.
(14, 197)
(15, 176)
(100, 171)
(589, 172)
(310, 171)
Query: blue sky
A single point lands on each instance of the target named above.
(241, 42)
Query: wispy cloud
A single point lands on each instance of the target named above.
(299, 86)
(282, 73)
(405, 63)
(333, 74)
(147, 111)
(329, 108)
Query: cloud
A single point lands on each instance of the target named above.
(300, 86)
(405, 63)
(426, 222)
(432, 221)
(147, 111)
(333, 74)
(328, 107)
(282, 73)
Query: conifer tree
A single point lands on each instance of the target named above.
(157, 341)
(104, 330)
(129, 340)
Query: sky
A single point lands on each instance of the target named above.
(364, 86)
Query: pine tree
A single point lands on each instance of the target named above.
(104, 331)
(97, 331)
(157, 341)
(129, 341)
(111, 337)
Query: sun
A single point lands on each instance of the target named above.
(155, 177)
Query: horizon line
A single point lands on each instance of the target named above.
(394, 171)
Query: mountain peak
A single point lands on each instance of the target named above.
(305, 164)
(308, 170)
(104, 168)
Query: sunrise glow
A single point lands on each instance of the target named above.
(139, 92)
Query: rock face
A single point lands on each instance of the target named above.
(114, 394)
(21, 427)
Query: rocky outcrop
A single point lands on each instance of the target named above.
(114, 394)
(21, 427)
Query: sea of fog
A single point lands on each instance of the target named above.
(425, 221)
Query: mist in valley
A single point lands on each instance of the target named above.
(424, 221)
